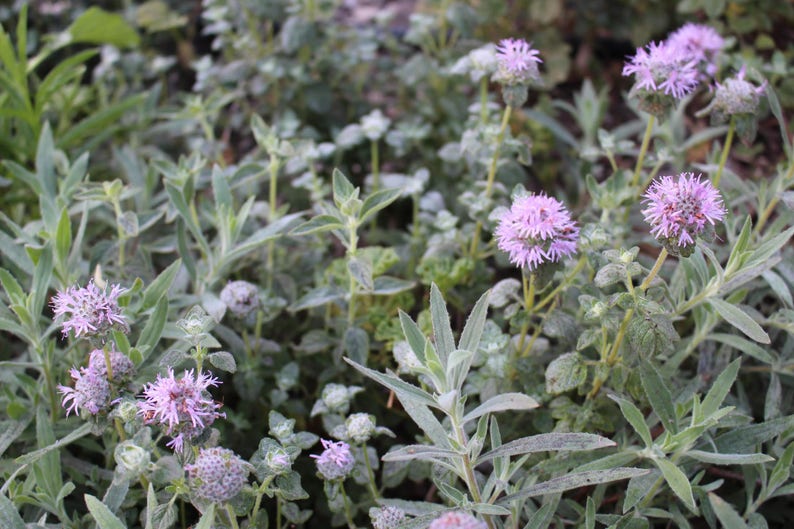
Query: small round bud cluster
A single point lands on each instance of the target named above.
(387, 517)
(336, 397)
(240, 297)
(131, 458)
(407, 361)
(217, 475)
(91, 392)
(739, 98)
(336, 461)
(278, 461)
(457, 520)
(360, 427)
(374, 125)
(122, 367)
(478, 63)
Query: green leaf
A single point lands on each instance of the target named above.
(472, 331)
(564, 373)
(638, 488)
(343, 189)
(317, 297)
(729, 518)
(10, 430)
(9, 516)
(659, 396)
(678, 482)
(388, 286)
(153, 329)
(635, 418)
(420, 452)
(155, 291)
(15, 293)
(40, 286)
(549, 442)
(782, 470)
(361, 271)
(502, 402)
(745, 346)
(377, 201)
(97, 26)
(63, 237)
(34, 456)
(744, 438)
(221, 190)
(413, 335)
(104, 518)
(728, 459)
(739, 319)
(573, 481)
(402, 389)
(356, 343)
(318, 224)
(223, 360)
(777, 111)
(205, 522)
(442, 330)
(720, 389)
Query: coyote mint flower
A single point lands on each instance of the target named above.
(517, 61)
(91, 310)
(680, 208)
(336, 461)
(699, 42)
(182, 407)
(537, 229)
(217, 475)
(662, 74)
(91, 391)
(457, 520)
(240, 297)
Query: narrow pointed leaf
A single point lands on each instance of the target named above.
(677, 481)
(740, 319)
(442, 330)
(635, 418)
(104, 518)
(574, 481)
(472, 331)
(720, 389)
(659, 396)
(728, 517)
(502, 402)
(377, 201)
(549, 442)
(729, 459)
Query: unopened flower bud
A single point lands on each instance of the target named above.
(360, 427)
(387, 517)
(131, 458)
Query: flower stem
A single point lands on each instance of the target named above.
(351, 252)
(529, 300)
(373, 489)
(346, 502)
(565, 282)
(725, 150)
(491, 176)
(764, 216)
(655, 270)
(484, 100)
(646, 140)
(232, 516)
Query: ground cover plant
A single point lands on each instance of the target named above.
(438, 264)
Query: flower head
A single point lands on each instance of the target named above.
(537, 229)
(240, 297)
(699, 42)
(91, 310)
(360, 427)
(517, 60)
(217, 475)
(457, 520)
(91, 392)
(663, 68)
(336, 461)
(182, 407)
(680, 208)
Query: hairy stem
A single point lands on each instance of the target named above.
(725, 151)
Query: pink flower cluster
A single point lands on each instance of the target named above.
(92, 388)
(336, 461)
(679, 208)
(517, 57)
(91, 310)
(537, 229)
(457, 520)
(183, 407)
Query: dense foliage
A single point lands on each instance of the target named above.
(447, 264)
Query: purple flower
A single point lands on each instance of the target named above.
(537, 229)
(680, 208)
(517, 61)
(699, 42)
(662, 68)
(457, 520)
(184, 407)
(91, 311)
(386, 517)
(217, 475)
(91, 392)
(336, 461)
